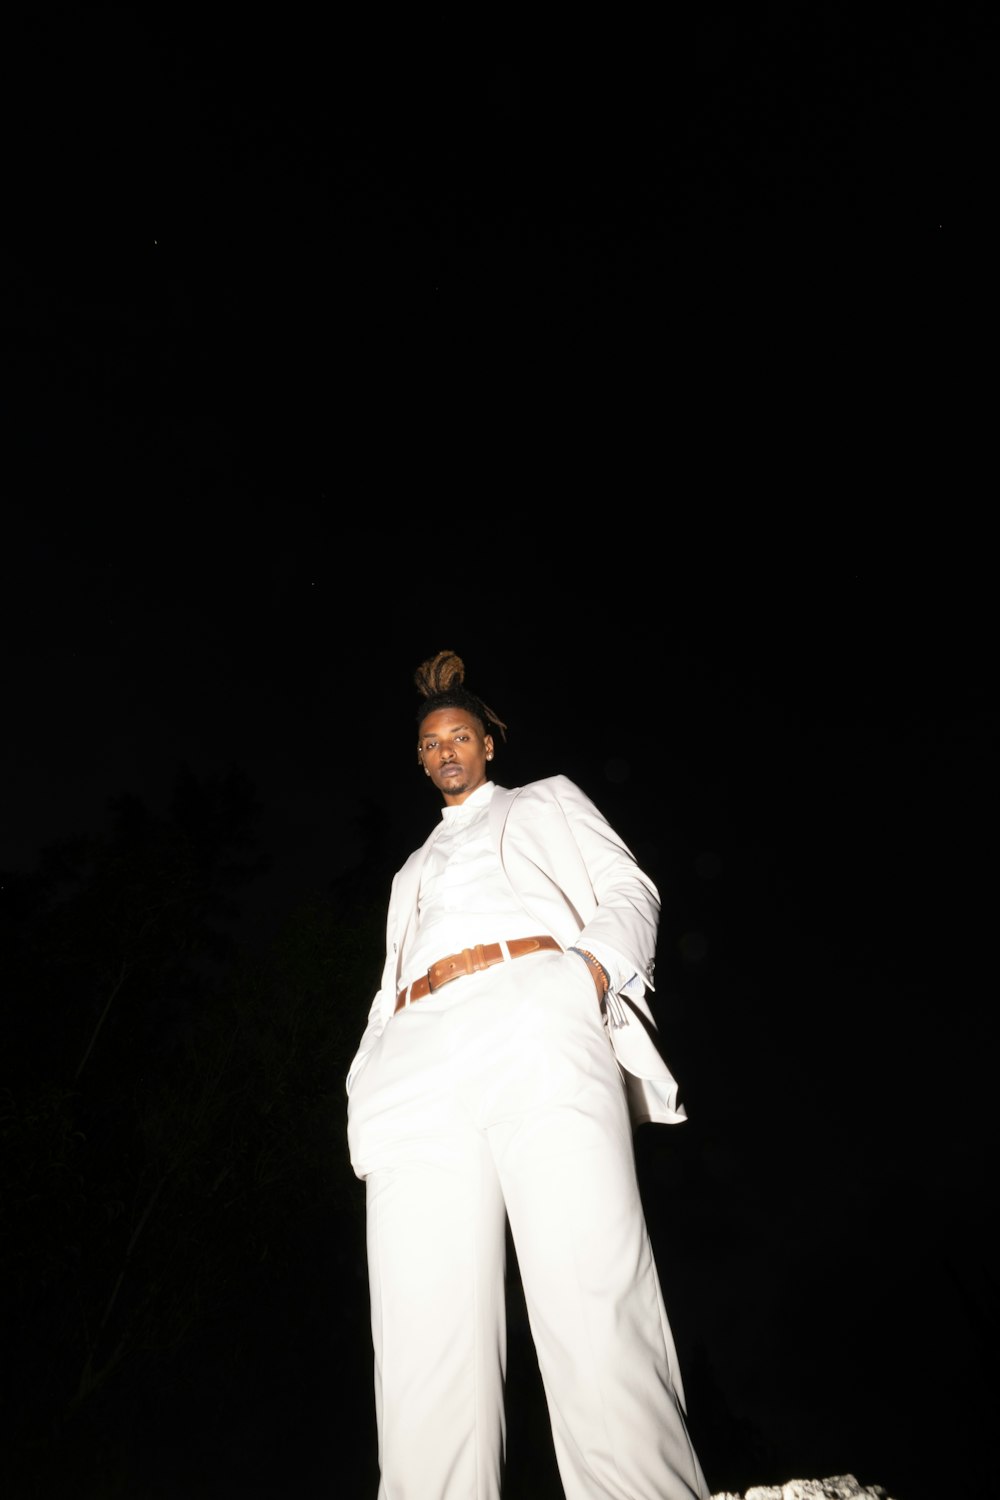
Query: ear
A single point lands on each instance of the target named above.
(488, 743)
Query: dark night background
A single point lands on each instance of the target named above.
(325, 349)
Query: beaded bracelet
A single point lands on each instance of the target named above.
(594, 962)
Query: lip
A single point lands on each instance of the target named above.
(450, 769)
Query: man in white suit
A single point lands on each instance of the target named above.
(508, 1055)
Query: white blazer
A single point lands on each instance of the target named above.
(579, 882)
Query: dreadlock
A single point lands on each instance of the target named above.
(440, 681)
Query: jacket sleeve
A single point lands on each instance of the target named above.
(625, 924)
(623, 928)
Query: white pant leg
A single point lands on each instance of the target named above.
(514, 1062)
(567, 1170)
(436, 1253)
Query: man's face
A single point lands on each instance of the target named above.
(453, 750)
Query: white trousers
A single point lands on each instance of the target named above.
(500, 1095)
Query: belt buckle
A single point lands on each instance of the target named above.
(456, 966)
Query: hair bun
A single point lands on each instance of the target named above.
(442, 677)
(440, 674)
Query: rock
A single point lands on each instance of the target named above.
(838, 1487)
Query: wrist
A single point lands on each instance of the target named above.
(600, 973)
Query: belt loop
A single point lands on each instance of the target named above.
(504, 949)
(406, 996)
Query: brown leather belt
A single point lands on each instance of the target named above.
(470, 961)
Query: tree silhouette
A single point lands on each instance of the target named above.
(172, 1122)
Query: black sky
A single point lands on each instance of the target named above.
(325, 351)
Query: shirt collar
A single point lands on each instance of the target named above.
(478, 799)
